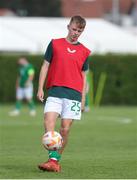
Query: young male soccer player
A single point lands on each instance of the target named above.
(24, 86)
(64, 69)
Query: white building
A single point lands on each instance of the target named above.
(32, 35)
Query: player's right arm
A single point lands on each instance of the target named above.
(44, 70)
(42, 78)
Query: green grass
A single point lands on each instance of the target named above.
(102, 145)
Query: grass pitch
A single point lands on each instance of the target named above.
(102, 145)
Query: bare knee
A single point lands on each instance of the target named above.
(64, 131)
(50, 121)
(65, 127)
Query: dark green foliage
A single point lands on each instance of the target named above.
(48, 8)
(120, 87)
(8, 74)
(121, 83)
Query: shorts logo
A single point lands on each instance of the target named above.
(71, 51)
(77, 113)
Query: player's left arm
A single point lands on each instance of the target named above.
(84, 75)
(83, 91)
(30, 77)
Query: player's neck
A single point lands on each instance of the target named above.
(70, 41)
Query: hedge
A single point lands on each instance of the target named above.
(121, 81)
(120, 87)
(8, 74)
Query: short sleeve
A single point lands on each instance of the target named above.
(85, 65)
(30, 71)
(49, 53)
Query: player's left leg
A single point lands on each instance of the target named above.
(28, 92)
(71, 111)
(64, 131)
(19, 97)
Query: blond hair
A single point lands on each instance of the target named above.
(80, 21)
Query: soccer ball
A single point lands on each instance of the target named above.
(52, 140)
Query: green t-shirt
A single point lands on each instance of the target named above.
(24, 73)
(64, 92)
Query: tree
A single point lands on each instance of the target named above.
(49, 8)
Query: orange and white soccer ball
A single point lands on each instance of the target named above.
(52, 140)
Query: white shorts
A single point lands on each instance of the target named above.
(68, 109)
(26, 92)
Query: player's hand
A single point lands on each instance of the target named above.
(40, 95)
(82, 110)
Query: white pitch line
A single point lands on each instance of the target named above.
(123, 120)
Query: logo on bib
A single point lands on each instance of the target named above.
(71, 51)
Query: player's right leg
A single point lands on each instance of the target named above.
(51, 112)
